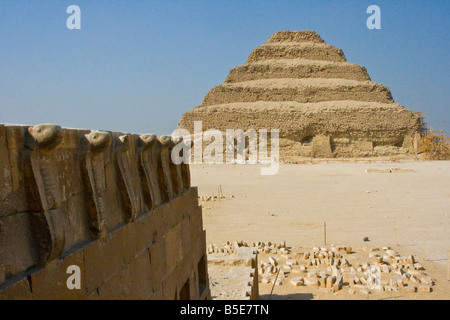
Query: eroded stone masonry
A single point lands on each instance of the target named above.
(323, 105)
(113, 204)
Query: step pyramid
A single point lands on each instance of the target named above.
(323, 105)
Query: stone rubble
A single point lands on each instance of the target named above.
(331, 269)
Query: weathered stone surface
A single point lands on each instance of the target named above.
(298, 281)
(17, 290)
(323, 105)
(266, 280)
(311, 282)
(291, 262)
(330, 282)
(409, 289)
(20, 251)
(88, 198)
(424, 288)
(273, 261)
(427, 281)
(50, 283)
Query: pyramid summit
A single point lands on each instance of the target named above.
(323, 105)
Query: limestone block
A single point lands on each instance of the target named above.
(298, 281)
(390, 289)
(330, 282)
(266, 280)
(364, 145)
(418, 266)
(291, 262)
(50, 283)
(322, 282)
(409, 289)
(424, 288)
(385, 269)
(321, 147)
(110, 248)
(311, 282)
(19, 290)
(273, 261)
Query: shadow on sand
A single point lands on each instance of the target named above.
(295, 296)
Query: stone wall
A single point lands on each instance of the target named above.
(113, 204)
(240, 263)
(250, 257)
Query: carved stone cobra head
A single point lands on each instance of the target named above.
(46, 136)
(147, 140)
(99, 140)
(166, 141)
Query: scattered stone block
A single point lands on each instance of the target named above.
(291, 262)
(297, 281)
(273, 261)
(265, 280)
(365, 291)
(298, 271)
(414, 279)
(423, 288)
(356, 281)
(418, 266)
(390, 289)
(311, 282)
(330, 281)
(409, 289)
(323, 283)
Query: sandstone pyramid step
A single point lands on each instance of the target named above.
(306, 50)
(300, 90)
(295, 36)
(349, 125)
(297, 68)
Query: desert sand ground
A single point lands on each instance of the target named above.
(405, 205)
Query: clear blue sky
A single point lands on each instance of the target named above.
(137, 66)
